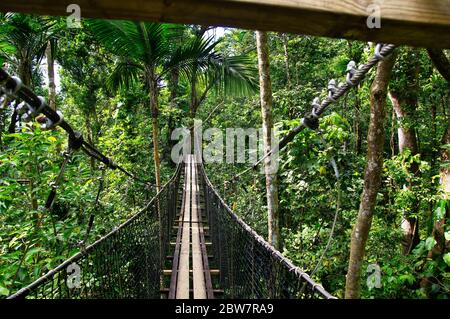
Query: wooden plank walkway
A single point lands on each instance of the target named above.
(190, 255)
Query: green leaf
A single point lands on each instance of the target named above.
(446, 258)
(4, 291)
(429, 243)
(407, 278)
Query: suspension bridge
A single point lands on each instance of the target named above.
(186, 242)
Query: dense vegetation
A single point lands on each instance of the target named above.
(127, 85)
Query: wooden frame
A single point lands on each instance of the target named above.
(423, 23)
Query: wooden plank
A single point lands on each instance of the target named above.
(197, 259)
(170, 257)
(423, 23)
(216, 291)
(213, 272)
(176, 255)
(183, 267)
(203, 260)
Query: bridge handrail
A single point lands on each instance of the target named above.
(49, 276)
(274, 252)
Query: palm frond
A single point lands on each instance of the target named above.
(122, 38)
(237, 75)
(193, 56)
(124, 75)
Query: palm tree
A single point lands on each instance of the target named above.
(149, 52)
(211, 70)
(143, 51)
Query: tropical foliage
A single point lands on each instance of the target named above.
(127, 85)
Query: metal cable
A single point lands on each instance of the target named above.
(354, 77)
(34, 105)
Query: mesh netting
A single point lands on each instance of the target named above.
(126, 263)
(249, 266)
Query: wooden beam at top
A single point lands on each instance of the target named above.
(423, 23)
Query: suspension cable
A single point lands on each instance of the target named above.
(33, 105)
(82, 244)
(336, 213)
(354, 76)
(54, 187)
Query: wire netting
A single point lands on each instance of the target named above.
(126, 263)
(250, 268)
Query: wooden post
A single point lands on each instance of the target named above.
(422, 23)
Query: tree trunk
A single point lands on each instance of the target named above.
(358, 141)
(13, 122)
(439, 225)
(155, 128)
(266, 110)
(372, 177)
(406, 134)
(284, 37)
(90, 139)
(434, 141)
(392, 137)
(291, 107)
(404, 102)
(173, 87)
(51, 76)
(441, 62)
(407, 140)
(24, 71)
(193, 107)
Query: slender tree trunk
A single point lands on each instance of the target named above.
(173, 87)
(266, 109)
(2, 126)
(358, 141)
(372, 177)
(435, 141)
(442, 64)
(13, 122)
(155, 128)
(24, 71)
(404, 102)
(90, 139)
(407, 140)
(439, 225)
(284, 37)
(392, 138)
(51, 76)
(193, 107)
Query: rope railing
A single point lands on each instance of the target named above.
(249, 266)
(126, 263)
(354, 76)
